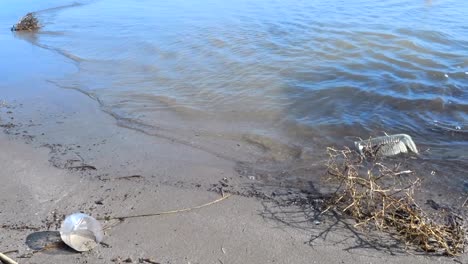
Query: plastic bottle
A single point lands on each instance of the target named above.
(81, 232)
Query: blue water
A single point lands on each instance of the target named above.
(307, 73)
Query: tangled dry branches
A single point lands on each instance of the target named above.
(378, 196)
(29, 23)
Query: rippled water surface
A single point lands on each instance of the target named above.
(308, 73)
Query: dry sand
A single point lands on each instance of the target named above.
(61, 154)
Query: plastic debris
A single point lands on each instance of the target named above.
(81, 232)
(387, 145)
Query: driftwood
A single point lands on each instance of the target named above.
(121, 218)
(4, 258)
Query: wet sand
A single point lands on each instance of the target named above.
(61, 154)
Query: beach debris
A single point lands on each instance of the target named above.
(5, 259)
(130, 260)
(386, 146)
(403, 172)
(20, 227)
(131, 177)
(81, 232)
(82, 167)
(121, 218)
(148, 260)
(27, 23)
(376, 196)
(465, 202)
(120, 260)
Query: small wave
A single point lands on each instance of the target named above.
(315, 73)
(461, 128)
(62, 7)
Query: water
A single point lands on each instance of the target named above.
(269, 73)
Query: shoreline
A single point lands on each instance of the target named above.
(48, 173)
(63, 152)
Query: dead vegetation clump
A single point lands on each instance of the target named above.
(379, 196)
(27, 23)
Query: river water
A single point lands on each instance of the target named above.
(268, 73)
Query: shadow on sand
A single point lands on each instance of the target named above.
(302, 209)
(48, 242)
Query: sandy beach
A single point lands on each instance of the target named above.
(219, 144)
(207, 142)
(62, 154)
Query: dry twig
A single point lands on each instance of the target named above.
(29, 23)
(375, 195)
(166, 212)
(6, 259)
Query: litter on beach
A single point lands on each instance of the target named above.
(81, 232)
(6, 259)
(27, 23)
(387, 145)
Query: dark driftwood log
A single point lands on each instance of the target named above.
(29, 22)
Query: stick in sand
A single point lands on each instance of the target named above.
(6, 259)
(167, 212)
